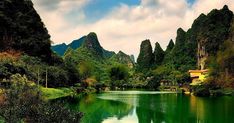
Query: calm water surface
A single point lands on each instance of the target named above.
(153, 107)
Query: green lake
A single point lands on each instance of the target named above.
(153, 107)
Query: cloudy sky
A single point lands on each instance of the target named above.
(122, 24)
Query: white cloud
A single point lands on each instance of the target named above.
(53, 14)
(126, 26)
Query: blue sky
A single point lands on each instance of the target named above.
(99, 8)
(122, 24)
(96, 9)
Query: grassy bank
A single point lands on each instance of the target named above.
(54, 93)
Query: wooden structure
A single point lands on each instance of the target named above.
(198, 76)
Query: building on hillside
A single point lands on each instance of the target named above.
(198, 76)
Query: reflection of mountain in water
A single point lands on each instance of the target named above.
(97, 110)
(133, 107)
(128, 97)
(166, 108)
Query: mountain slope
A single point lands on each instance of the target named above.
(158, 54)
(122, 58)
(60, 49)
(22, 29)
(92, 56)
(203, 39)
(145, 58)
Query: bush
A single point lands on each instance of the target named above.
(23, 102)
(154, 82)
(119, 75)
(201, 90)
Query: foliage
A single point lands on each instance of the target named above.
(118, 74)
(91, 42)
(23, 102)
(171, 75)
(145, 58)
(154, 82)
(214, 28)
(8, 65)
(85, 69)
(58, 75)
(23, 30)
(225, 57)
(93, 62)
(170, 46)
(201, 90)
(222, 65)
(73, 73)
(158, 54)
(122, 58)
(181, 57)
(54, 93)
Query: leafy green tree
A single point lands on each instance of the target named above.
(23, 102)
(70, 67)
(154, 82)
(56, 76)
(85, 70)
(118, 74)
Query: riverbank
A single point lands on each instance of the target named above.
(49, 93)
(206, 92)
(54, 93)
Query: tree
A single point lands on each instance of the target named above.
(154, 82)
(23, 102)
(118, 75)
(70, 67)
(85, 69)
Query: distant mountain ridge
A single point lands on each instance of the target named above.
(60, 49)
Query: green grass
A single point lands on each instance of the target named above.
(54, 93)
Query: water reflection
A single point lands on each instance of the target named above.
(97, 110)
(121, 107)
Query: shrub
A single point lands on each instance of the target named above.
(23, 101)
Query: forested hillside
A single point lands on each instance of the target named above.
(22, 29)
(198, 48)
